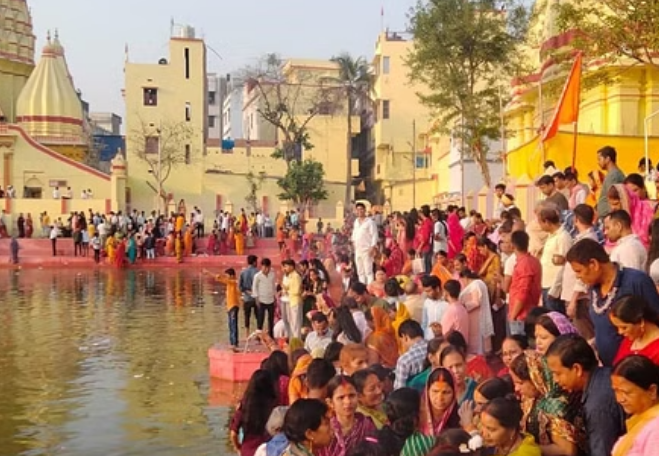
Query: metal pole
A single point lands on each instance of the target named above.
(414, 164)
(646, 123)
(462, 161)
(160, 199)
(542, 118)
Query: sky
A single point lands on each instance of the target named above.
(95, 33)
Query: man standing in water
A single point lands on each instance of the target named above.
(364, 240)
(245, 285)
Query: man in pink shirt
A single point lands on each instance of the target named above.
(456, 317)
(526, 284)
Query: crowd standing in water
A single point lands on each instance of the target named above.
(435, 332)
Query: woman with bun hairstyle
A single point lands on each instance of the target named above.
(638, 323)
(485, 392)
(307, 427)
(403, 411)
(500, 427)
(635, 380)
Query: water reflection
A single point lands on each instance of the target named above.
(106, 362)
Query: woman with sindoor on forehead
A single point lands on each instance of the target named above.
(635, 381)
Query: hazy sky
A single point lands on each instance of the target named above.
(94, 33)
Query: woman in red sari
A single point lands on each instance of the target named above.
(639, 324)
(29, 226)
(405, 236)
(120, 254)
(475, 259)
(455, 233)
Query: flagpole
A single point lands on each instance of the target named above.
(542, 119)
(575, 132)
(382, 18)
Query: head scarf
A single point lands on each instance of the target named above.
(545, 415)
(562, 323)
(640, 212)
(448, 419)
(383, 340)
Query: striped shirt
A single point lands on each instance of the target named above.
(411, 363)
(417, 445)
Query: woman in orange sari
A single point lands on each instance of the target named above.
(474, 258)
(169, 245)
(297, 386)
(178, 247)
(491, 268)
(382, 341)
(187, 241)
(240, 242)
(595, 179)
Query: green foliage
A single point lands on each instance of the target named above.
(463, 52)
(255, 182)
(613, 29)
(354, 86)
(304, 183)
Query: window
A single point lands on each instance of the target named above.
(422, 161)
(386, 63)
(211, 121)
(188, 112)
(152, 144)
(187, 154)
(150, 97)
(385, 109)
(325, 108)
(212, 98)
(187, 63)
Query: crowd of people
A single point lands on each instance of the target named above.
(440, 333)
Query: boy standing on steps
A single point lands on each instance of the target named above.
(233, 304)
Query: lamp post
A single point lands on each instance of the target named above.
(160, 198)
(646, 123)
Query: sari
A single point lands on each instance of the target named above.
(402, 315)
(383, 339)
(455, 235)
(474, 258)
(378, 416)
(449, 419)
(109, 248)
(636, 424)
(297, 386)
(546, 415)
(640, 212)
(340, 444)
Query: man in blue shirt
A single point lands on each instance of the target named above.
(245, 284)
(574, 366)
(607, 283)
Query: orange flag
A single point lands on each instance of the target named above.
(567, 109)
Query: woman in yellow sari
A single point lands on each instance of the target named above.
(297, 386)
(635, 380)
(491, 268)
(187, 241)
(595, 179)
(178, 247)
(240, 240)
(382, 343)
(400, 314)
(109, 249)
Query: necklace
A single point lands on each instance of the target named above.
(606, 305)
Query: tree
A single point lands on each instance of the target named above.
(304, 183)
(463, 51)
(355, 86)
(255, 182)
(613, 29)
(288, 102)
(162, 148)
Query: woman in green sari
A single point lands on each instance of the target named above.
(548, 414)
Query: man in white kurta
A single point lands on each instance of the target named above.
(364, 241)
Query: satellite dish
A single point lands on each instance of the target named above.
(162, 62)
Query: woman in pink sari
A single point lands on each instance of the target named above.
(621, 197)
(405, 234)
(455, 234)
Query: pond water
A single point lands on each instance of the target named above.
(107, 362)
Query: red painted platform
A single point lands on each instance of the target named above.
(38, 253)
(224, 364)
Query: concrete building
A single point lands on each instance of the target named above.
(403, 164)
(106, 123)
(217, 89)
(232, 111)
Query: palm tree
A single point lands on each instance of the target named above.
(355, 82)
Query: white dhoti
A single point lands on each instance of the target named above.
(364, 263)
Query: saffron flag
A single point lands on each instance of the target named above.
(567, 109)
